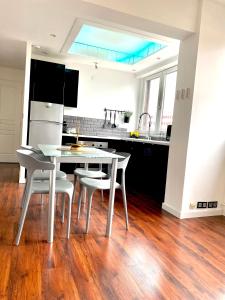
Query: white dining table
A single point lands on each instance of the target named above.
(85, 155)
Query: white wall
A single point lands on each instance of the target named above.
(181, 123)
(206, 153)
(104, 88)
(196, 168)
(180, 14)
(12, 74)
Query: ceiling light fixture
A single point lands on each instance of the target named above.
(37, 46)
(53, 35)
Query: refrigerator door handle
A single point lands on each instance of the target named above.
(45, 121)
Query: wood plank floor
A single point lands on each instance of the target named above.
(161, 257)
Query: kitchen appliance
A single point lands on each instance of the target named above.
(45, 125)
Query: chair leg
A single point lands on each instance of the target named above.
(79, 202)
(70, 200)
(56, 199)
(24, 212)
(90, 194)
(74, 184)
(63, 208)
(125, 205)
(42, 200)
(102, 194)
(24, 195)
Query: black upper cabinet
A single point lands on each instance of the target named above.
(71, 87)
(47, 81)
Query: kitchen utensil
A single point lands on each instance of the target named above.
(114, 124)
(78, 131)
(104, 125)
(110, 116)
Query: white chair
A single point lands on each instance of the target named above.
(43, 175)
(32, 162)
(93, 184)
(90, 173)
(40, 174)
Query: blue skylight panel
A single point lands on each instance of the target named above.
(112, 45)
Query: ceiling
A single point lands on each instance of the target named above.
(49, 24)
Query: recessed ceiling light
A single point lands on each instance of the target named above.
(37, 46)
(53, 35)
(96, 65)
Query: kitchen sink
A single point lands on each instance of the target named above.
(145, 138)
(154, 138)
(158, 138)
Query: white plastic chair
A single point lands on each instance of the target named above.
(90, 173)
(94, 184)
(40, 174)
(43, 175)
(32, 162)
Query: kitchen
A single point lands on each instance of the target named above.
(96, 106)
(87, 265)
(91, 130)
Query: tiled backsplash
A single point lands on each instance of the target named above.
(91, 126)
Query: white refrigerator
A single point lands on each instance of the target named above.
(45, 125)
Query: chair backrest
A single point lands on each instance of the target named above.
(31, 148)
(123, 162)
(35, 150)
(110, 150)
(32, 161)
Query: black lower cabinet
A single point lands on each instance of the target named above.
(147, 168)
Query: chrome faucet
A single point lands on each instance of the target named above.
(149, 124)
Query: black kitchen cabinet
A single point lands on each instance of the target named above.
(47, 81)
(146, 170)
(71, 87)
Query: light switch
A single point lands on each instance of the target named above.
(188, 92)
(177, 94)
(183, 93)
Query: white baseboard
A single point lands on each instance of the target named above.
(201, 212)
(171, 210)
(193, 213)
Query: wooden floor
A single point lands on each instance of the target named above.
(161, 257)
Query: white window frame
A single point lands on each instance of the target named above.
(161, 95)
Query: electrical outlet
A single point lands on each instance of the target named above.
(212, 204)
(215, 203)
(201, 204)
(192, 205)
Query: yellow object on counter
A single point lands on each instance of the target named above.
(134, 133)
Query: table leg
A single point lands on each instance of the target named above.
(111, 197)
(84, 194)
(51, 203)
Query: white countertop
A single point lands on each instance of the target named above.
(145, 141)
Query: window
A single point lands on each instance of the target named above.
(160, 92)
